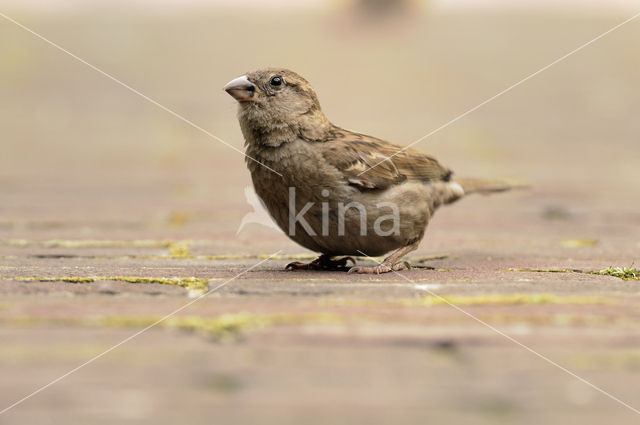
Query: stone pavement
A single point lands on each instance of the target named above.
(323, 347)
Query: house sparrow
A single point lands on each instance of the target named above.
(327, 188)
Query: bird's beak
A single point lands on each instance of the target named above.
(241, 89)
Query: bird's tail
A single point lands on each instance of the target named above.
(487, 186)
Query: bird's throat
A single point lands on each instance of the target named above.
(261, 130)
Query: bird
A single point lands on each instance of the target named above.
(334, 191)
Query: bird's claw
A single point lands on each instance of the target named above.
(381, 268)
(322, 263)
(297, 265)
(342, 263)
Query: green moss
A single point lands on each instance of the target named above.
(509, 299)
(69, 279)
(462, 300)
(224, 325)
(179, 249)
(624, 273)
(193, 284)
(178, 218)
(576, 243)
(546, 270)
(17, 242)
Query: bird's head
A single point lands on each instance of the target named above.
(273, 99)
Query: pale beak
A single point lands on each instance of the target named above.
(241, 89)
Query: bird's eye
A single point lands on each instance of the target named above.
(276, 81)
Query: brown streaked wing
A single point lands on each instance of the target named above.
(352, 153)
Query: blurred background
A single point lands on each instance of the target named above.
(83, 159)
(79, 147)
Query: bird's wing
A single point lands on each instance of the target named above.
(356, 156)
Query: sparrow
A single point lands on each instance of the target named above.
(335, 191)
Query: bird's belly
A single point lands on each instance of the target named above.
(353, 233)
(345, 221)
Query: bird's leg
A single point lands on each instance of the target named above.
(393, 262)
(323, 262)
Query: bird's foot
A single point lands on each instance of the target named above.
(324, 262)
(383, 267)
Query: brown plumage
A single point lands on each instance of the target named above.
(355, 204)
